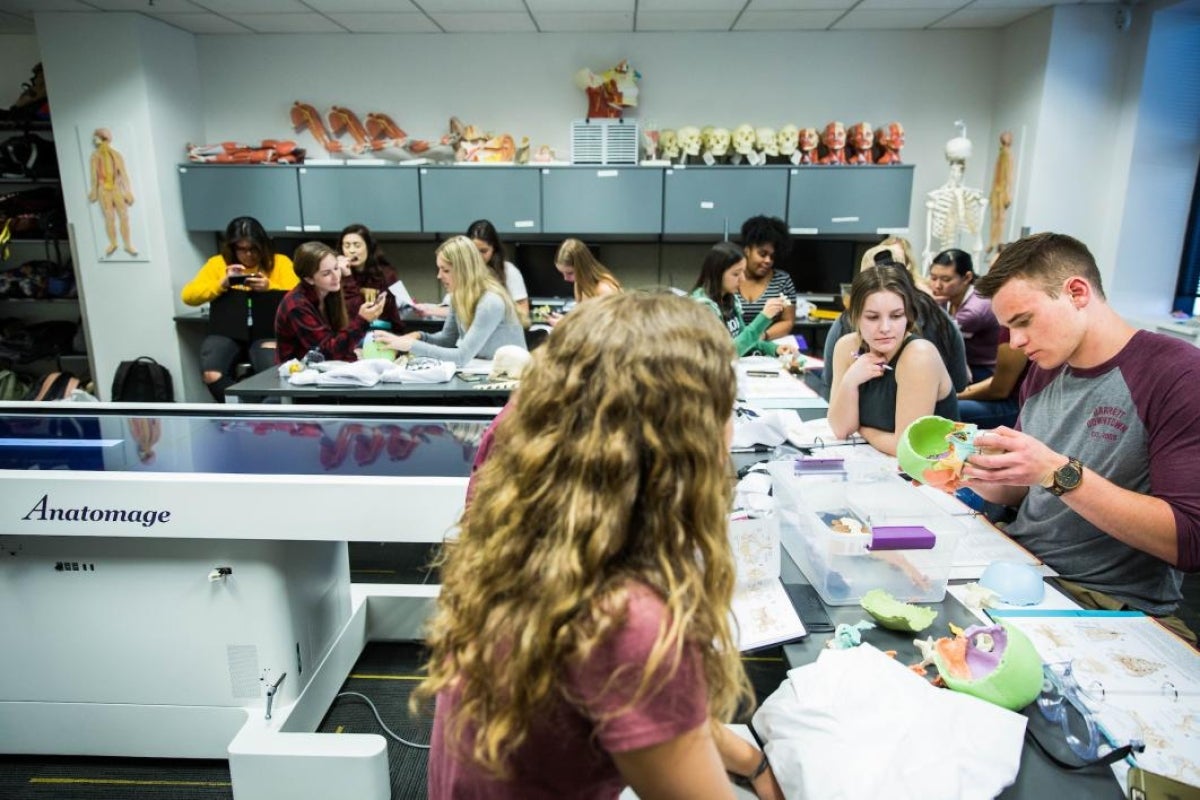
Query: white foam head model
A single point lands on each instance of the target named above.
(509, 362)
(743, 139)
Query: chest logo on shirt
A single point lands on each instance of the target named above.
(734, 325)
(1107, 423)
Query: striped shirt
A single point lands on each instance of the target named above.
(780, 286)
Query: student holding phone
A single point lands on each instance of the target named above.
(368, 274)
(247, 263)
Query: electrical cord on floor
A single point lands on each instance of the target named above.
(379, 719)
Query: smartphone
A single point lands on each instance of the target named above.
(238, 280)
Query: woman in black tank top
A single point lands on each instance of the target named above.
(884, 376)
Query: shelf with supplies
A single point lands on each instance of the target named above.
(675, 200)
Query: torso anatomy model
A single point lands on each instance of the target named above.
(953, 210)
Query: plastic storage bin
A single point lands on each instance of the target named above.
(841, 566)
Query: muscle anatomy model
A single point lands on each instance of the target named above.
(111, 189)
(1001, 196)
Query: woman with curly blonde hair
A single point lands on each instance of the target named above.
(482, 315)
(582, 639)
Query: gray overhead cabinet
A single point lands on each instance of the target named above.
(215, 194)
(713, 200)
(833, 200)
(602, 200)
(384, 198)
(454, 197)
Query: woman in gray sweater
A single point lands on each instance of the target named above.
(482, 315)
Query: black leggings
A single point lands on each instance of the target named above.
(220, 353)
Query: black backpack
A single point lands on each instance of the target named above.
(142, 380)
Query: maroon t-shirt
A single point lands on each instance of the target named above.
(567, 753)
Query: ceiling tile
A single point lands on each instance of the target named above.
(690, 5)
(1009, 4)
(14, 24)
(26, 8)
(909, 5)
(889, 19)
(470, 6)
(286, 23)
(685, 21)
(485, 22)
(332, 7)
(202, 23)
(159, 7)
(231, 7)
(593, 21)
(797, 5)
(385, 23)
(975, 17)
(539, 7)
(788, 20)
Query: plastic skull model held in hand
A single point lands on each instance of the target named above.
(953, 210)
(786, 140)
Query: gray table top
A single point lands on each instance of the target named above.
(1038, 777)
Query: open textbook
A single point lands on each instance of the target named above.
(763, 613)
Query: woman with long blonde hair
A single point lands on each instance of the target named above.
(582, 639)
(482, 315)
(578, 266)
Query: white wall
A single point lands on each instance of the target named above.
(1165, 149)
(136, 75)
(522, 84)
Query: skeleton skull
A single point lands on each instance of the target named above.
(743, 139)
(786, 140)
(719, 146)
(668, 143)
(509, 362)
(764, 141)
(689, 140)
(706, 137)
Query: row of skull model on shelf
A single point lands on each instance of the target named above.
(834, 145)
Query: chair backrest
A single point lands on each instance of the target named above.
(244, 316)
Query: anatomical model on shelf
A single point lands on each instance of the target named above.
(1001, 196)
(765, 145)
(834, 140)
(610, 92)
(786, 140)
(378, 137)
(862, 142)
(809, 141)
(479, 147)
(668, 144)
(718, 145)
(689, 143)
(954, 211)
(650, 135)
(743, 140)
(889, 140)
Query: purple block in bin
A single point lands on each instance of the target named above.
(902, 537)
(819, 464)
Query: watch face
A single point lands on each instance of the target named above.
(1068, 476)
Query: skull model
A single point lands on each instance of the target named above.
(689, 140)
(706, 137)
(764, 141)
(743, 139)
(808, 145)
(786, 139)
(668, 144)
(719, 143)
